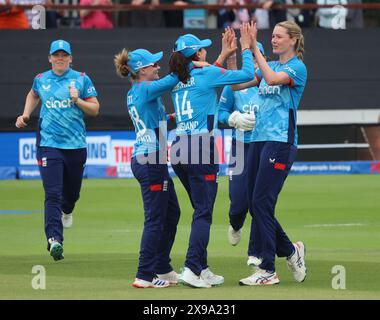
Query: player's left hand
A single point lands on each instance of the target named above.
(73, 94)
(253, 33)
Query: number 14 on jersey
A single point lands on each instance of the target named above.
(185, 107)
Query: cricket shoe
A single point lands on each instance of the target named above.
(260, 278)
(211, 278)
(254, 261)
(234, 236)
(67, 220)
(172, 277)
(296, 262)
(156, 283)
(189, 278)
(56, 250)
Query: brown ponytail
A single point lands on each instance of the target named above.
(295, 31)
(120, 60)
(179, 64)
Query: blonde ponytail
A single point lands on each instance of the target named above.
(300, 47)
(120, 60)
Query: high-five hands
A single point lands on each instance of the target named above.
(253, 34)
(245, 37)
(229, 45)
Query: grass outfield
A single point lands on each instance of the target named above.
(338, 218)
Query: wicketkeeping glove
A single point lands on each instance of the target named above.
(242, 121)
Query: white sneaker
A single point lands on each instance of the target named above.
(156, 283)
(211, 278)
(260, 278)
(67, 220)
(172, 277)
(254, 261)
(189, 278)
(234, 236)
(296, 263)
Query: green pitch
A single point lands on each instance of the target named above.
(337, 217)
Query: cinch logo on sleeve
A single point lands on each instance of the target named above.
(290, 70)
(90, 90)
(61, 104)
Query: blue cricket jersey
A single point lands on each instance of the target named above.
(277, 114)
(61, 121)
(244, 101)
(146, 111)
(195, 102)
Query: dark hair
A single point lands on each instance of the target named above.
(179, 64)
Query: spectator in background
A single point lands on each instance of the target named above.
(13, 18)
(275, 15)
(173, 18)
(307, 16)
(233, 18)
(95, 19)
(354, 17)
(225, 16)
(303, 17)
(144, 18)
(261, 16)
(332, 18)
(292, 14)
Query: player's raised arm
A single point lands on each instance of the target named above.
(271, 77)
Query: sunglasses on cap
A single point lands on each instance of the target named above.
(154, 65)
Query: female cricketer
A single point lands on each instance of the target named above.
(66, 97)
(149, 165)
(230, 103)
(192, 152)
(273, 150)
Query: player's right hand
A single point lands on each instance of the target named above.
(22, 121)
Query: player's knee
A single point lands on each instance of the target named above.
(52, 197)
